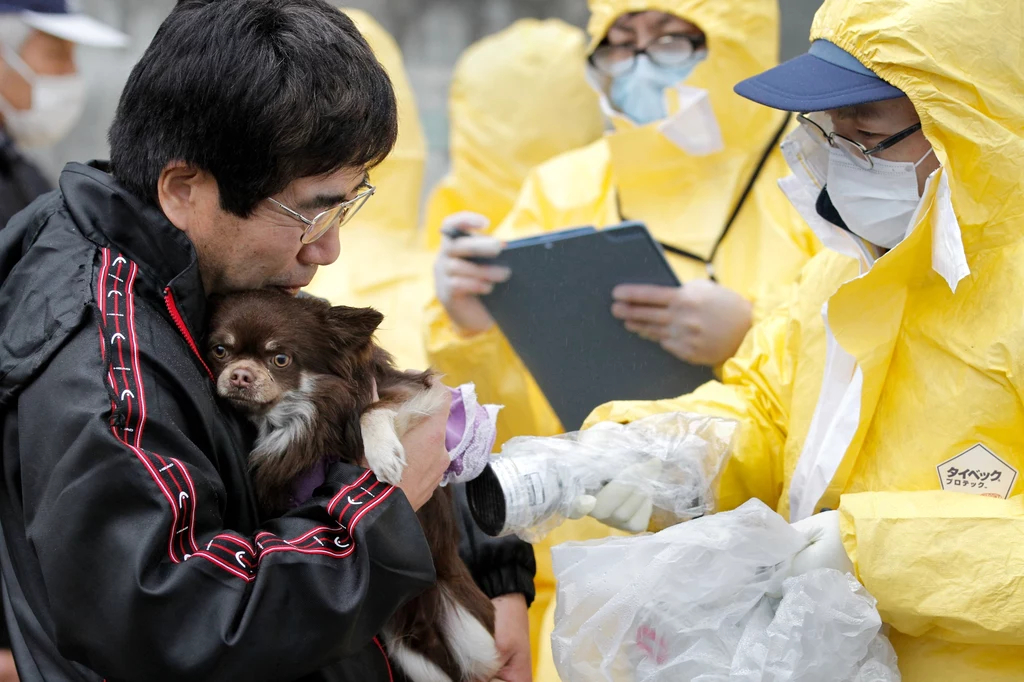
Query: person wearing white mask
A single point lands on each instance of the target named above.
(860, 168)
(878, 162)
(881, 408)
(42, 94)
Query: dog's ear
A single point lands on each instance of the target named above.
(353, 326)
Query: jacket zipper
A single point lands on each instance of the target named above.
(387, 662)
(172, 308)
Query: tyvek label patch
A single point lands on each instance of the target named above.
(979, 471)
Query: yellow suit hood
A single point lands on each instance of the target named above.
(960, 63)
(742, 40)
(685, 192)
(399, 179)
(518, 98)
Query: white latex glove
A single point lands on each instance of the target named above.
(458, 281)
(581, 506)
(826, 545)
(623, 505)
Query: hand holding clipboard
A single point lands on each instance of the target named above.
(556, 311)
(460, 281)
(703, 322)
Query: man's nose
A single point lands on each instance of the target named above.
(323, 251)
(241, 378)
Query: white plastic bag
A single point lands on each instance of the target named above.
(692, 603)
(542, 478)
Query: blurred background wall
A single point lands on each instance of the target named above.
(431, 33)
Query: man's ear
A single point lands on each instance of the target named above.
(353, 326)
(178, 191)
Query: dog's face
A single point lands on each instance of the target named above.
(263, 344)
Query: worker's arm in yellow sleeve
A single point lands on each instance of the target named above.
(444, 200)
(788, 242)
(571, 190)
(941, 564)
(755, 392)
(769, 298)
(487, 359)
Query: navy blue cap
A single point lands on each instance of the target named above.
(45, 6)
(827, 77)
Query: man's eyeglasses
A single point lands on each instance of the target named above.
(667, 51)
(855, 151)
(332, 217)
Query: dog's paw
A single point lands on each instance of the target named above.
(384, 452)
(387, 459)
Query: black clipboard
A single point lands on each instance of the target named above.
(555, 310)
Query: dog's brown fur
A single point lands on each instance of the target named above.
(332, 349)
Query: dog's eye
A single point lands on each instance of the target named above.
(282, 360)
(219, 352)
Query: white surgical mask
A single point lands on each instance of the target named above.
(57, 104)
(875, 203)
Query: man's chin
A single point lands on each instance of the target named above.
(289, 290)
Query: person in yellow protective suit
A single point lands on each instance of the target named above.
(382, 263)
(684, 174)
(890, 389)
(518, 98)
(695, 162)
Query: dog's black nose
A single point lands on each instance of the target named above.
(242, 378)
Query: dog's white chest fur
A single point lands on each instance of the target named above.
(290, 420)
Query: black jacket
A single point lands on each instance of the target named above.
(132, 548)
(20, 181)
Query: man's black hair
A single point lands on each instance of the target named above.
(258, 93)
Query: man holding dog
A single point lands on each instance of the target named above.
(132, 549)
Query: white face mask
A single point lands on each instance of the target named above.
(57, 104)
(875, 203)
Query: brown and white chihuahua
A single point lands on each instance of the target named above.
(304, 372)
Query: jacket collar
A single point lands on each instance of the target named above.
(109, 215)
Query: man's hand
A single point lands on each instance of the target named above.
(426, 458)
(700, 322)
(512, 636)
(8, 673)
(458, 283)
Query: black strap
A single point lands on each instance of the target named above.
(708, 262)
